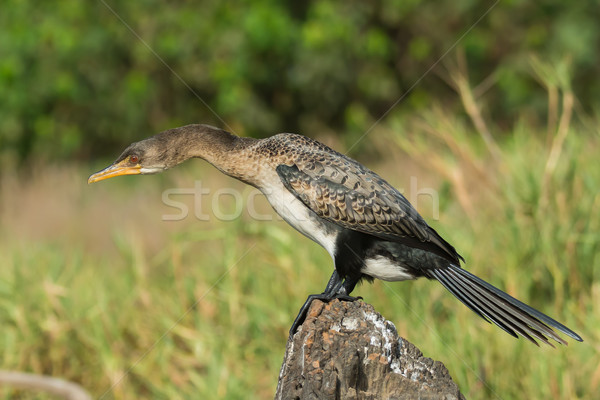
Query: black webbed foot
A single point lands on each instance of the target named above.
(336, 289)
(324, 298)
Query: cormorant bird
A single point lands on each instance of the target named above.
(368, 227)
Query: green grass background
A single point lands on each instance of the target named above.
(95, 287)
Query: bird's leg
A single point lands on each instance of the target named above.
(334, 285)
(336, 288)
(347, 287)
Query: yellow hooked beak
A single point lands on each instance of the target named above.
(116, 169)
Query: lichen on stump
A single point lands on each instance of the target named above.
(346, 350)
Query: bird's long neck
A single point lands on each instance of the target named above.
(231, 154)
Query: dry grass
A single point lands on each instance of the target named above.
(95, 287)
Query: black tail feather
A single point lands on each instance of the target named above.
(492, 304)
(470, 303)
(521, 323)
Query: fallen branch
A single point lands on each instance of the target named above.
(58, 387)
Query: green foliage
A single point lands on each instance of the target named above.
(76, 81)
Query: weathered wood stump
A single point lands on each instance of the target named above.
(346, 350)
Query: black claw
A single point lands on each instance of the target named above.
(324, 298)
(304, 310)
(345, 297)
(336, 288)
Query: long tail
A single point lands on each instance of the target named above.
(494, 305)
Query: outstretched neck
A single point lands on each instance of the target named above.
(212, 145)
(229, 153)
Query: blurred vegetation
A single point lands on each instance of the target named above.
(75, 81)
(205, 312)
(95, 288)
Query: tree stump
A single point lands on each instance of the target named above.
(346, 350)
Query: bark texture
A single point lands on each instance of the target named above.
(346, 350)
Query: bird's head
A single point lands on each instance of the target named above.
(143, 157)
(167, 149)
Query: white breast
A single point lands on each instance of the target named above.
(385, 269)
(295, 213)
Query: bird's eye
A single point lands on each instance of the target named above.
(134, 159)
